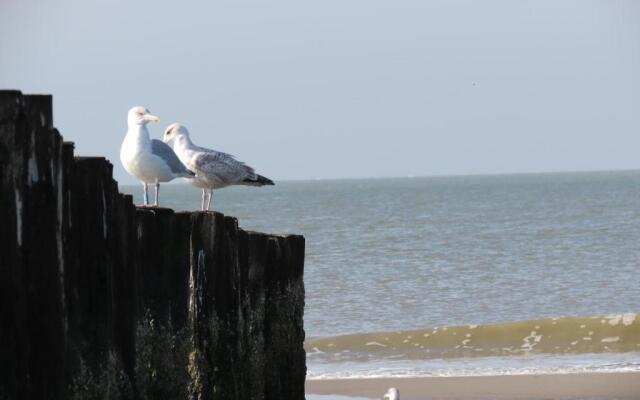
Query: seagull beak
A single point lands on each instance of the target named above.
(153, 118)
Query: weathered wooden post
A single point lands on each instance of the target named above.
(101, 300)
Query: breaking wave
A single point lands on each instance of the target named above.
(567, 335)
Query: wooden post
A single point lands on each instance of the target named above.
(99, 299)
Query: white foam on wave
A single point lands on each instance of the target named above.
(614, 319)
(530, 341)
(485, 366)
(626, 319)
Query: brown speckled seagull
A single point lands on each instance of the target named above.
(213, 169)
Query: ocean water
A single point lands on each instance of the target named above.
(510, 269)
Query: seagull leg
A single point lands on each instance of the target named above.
(145, 191)
(157, 193)
(202, 202)
(209, 201)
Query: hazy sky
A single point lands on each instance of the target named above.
(340, 88)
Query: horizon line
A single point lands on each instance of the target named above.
(461, 175)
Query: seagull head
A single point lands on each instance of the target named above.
(176, 133)
(139, 115)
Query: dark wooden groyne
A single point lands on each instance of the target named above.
(103, 300)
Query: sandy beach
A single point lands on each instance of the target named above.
(567, 386)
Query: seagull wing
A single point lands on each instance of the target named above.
(166, 153)
(223, 167)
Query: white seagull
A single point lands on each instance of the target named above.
(150, 160)
(214, 169)
(392, 394)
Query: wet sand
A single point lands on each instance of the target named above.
(567, 386)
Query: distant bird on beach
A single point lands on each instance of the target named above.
(392, 394)
(214, 169)
(150, 160)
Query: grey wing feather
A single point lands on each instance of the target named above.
(224, 167)
(162, 150)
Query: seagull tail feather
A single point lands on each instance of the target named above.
(258, 181)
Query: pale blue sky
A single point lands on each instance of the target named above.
(332, 89)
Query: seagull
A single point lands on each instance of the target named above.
(150, 160)
(214, 169)
(392, 394)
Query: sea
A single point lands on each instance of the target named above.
(457, 276)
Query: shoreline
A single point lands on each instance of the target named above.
(602, 385)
